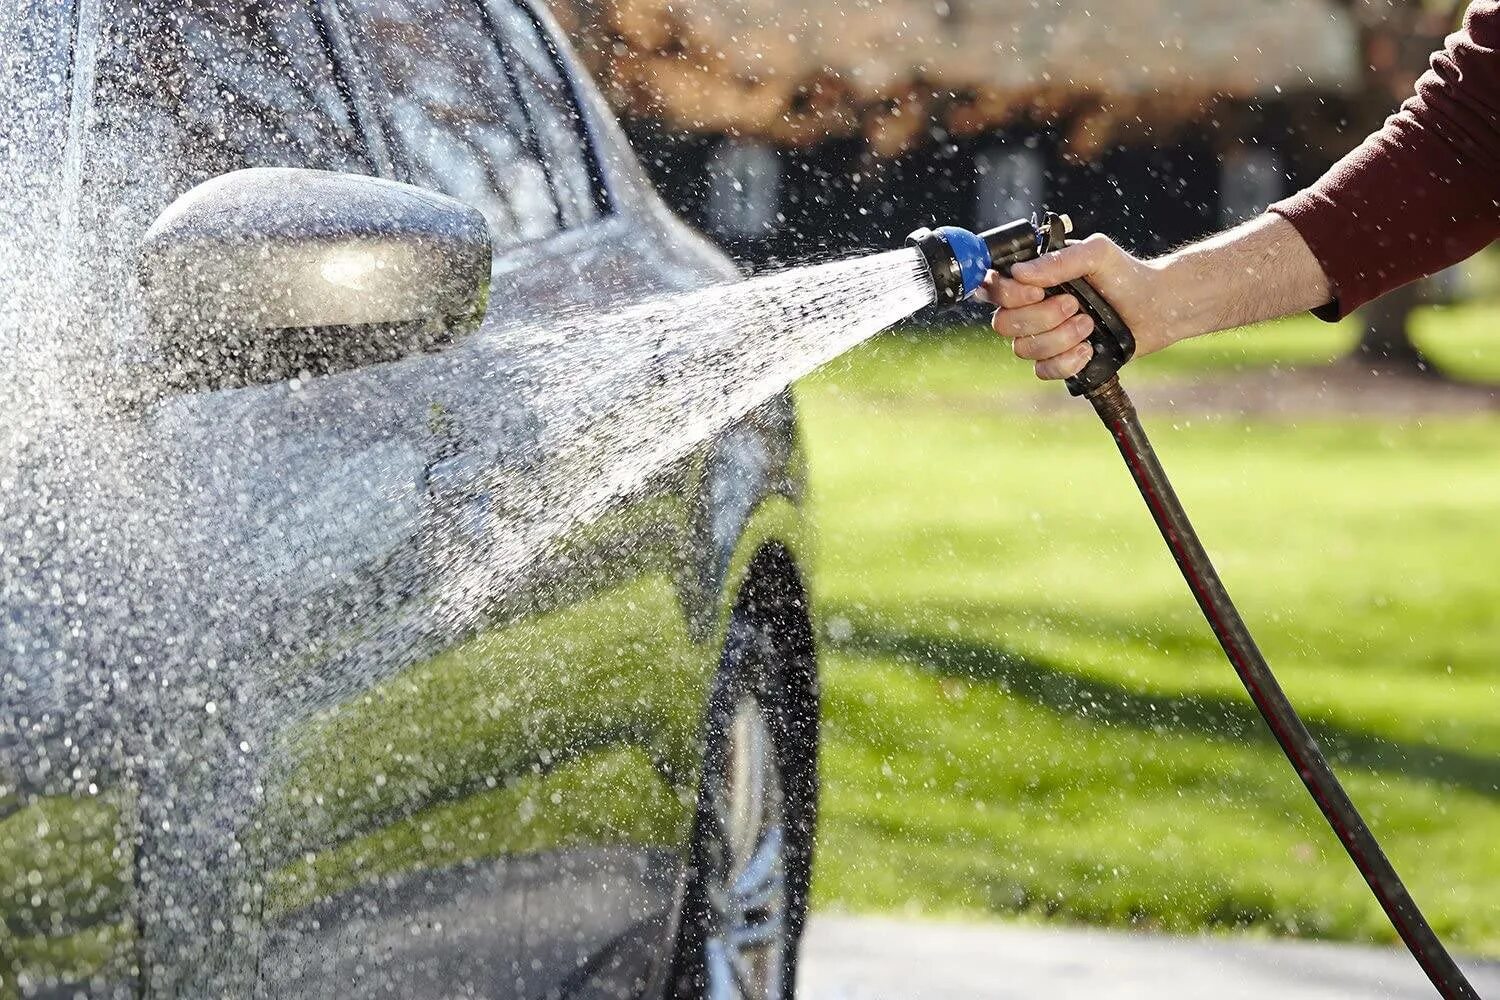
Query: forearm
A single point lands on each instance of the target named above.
(1257, 271)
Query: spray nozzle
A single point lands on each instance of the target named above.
(958, 260)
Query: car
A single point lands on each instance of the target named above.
(354, 638)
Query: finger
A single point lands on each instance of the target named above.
(1028, 321)
(1076, 260)
(1055, 341)
(998, 290)
(1065, 365)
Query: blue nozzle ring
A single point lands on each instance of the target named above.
(971, 254)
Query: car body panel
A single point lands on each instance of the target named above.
(351, 711)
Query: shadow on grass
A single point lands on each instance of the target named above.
(1217, 717)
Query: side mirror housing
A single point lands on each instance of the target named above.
(266, 274)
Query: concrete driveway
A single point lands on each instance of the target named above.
(876, 958)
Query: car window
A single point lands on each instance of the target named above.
(185, 90)
(554, 114)
(227, 84)
(451, 111)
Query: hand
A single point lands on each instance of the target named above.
(1051, 332)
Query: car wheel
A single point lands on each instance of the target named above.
(746, 897)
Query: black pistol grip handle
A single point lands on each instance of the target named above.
(1112, 341)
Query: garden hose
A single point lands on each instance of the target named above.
(1118, 414)
(958, 261)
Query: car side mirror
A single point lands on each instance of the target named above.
(266, 274)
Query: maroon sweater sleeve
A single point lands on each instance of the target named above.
(1424, 191)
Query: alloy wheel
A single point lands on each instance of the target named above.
(745, 948)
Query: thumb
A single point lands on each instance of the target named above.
(1076, 260)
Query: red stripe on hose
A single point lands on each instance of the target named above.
(1289, 745)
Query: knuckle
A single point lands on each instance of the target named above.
(1099, 247)
(1022, 321)
(1037, 321)
(1018, 294)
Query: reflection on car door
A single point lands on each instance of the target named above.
(504, 812)
(267, 523)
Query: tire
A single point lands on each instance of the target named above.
(745, 901)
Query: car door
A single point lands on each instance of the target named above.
(510, 811)
(272, 535)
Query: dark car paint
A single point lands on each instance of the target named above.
(362, 796)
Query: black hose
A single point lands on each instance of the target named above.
(1118, 413)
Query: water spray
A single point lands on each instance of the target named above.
(958, 260)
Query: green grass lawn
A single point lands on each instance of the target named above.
(1024, 712)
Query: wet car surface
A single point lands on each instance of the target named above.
(318, 680)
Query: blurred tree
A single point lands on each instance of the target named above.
(1399, 36)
